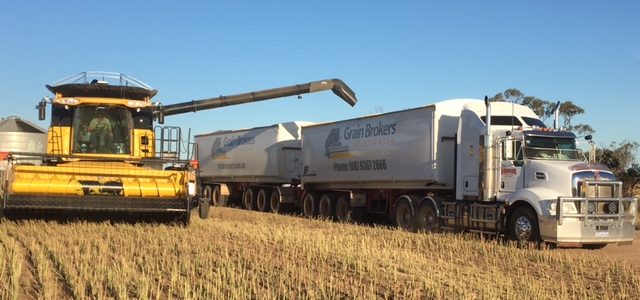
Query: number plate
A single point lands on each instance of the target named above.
(602, 233)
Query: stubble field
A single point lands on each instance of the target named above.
(247, 255)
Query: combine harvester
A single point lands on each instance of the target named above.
(104, 153)
(453, 165)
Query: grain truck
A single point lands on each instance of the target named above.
(462, 165)
(104, 154)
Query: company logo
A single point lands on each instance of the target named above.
(217, 150)
(333, 147)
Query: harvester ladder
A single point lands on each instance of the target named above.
(167, 142)
(55, 141)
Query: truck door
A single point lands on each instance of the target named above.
(511, 164)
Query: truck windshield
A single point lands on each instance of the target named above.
(99, 129)
(552, 148)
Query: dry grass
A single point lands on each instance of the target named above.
(238, 255)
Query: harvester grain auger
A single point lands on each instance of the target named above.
(104, 153)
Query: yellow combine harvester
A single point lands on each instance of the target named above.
(104, 153)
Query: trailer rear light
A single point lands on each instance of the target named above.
(4, 155)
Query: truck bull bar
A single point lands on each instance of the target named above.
(602, 201)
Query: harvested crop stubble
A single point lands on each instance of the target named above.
(240, 254)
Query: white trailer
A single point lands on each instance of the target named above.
(252, 165)
(465, 165)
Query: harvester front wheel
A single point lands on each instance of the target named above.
(185, 217)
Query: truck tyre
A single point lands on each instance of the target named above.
(274, 202)
(249, 199)
(523, 225)
(262, 201)
(403, 215)
(215, 196)
(327, 207)
(426, 218)
(310, 205)
(343, 209)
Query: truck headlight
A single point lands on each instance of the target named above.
(567, 207)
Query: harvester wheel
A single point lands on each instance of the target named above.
(327, 206)
(310, 205)
(262, 201)
(249, 199)
(404, 215)
(343, 209)
(274, 201)
(185, 217)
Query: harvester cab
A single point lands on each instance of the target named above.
(104, 153)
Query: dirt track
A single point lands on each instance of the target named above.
(629, 253)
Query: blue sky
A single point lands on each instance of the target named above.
(394, 54)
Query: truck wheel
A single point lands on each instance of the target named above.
(262, 201)
(274, 201)
(249, 199)
(215, 196)
(523, 225)
(310, 205)
(327, 207)
(426, 219)
(404, 215)
(343, 209)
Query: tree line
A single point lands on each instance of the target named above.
(620, 157)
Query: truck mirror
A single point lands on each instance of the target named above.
(144, 140)
(42, 109)
(588, 137)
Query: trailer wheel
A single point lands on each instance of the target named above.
(327, 207)
(274, 201)
(310, 205)
(343, 209)
(215, 196)
(523, 225)
(249, 199)
(404, 215)
(426, 219)
(262, 201)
